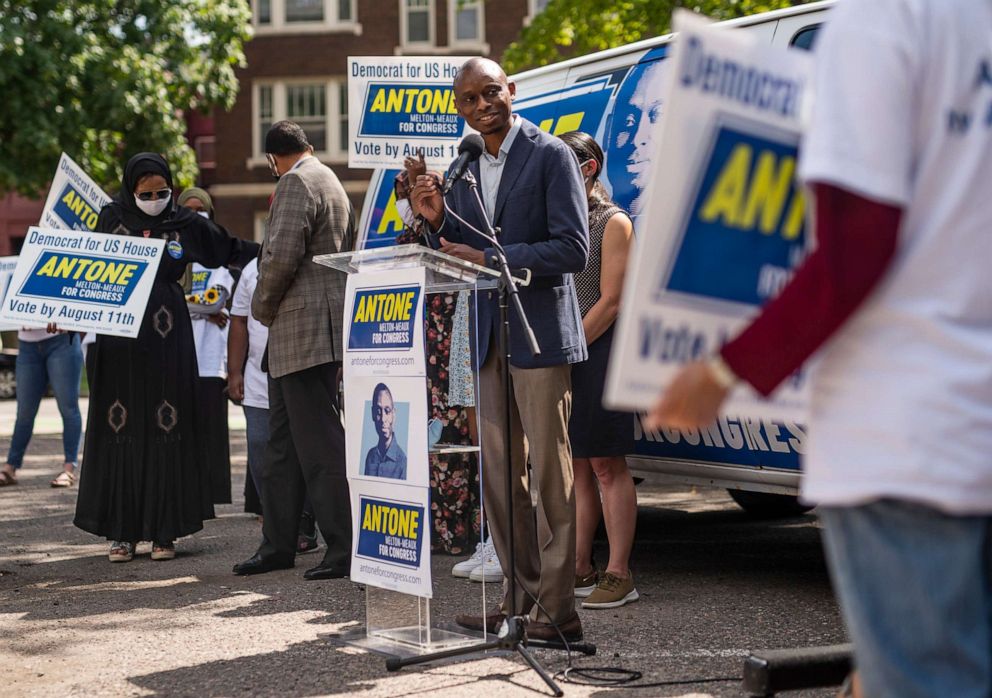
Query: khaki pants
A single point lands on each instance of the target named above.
(544, 539)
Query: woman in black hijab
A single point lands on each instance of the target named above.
(145, 475)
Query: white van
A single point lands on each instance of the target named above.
(615, 96)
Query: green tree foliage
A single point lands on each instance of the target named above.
(104, 79)
(568, 28)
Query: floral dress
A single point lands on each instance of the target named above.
(455, 510)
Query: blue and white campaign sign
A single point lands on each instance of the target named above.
(90, 282)
(384, 323)
(401, 106)
(74, 200)
(723, 227)
(7, 266)
(385, 393)
(392, 538)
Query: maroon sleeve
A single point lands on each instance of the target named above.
(856, 242)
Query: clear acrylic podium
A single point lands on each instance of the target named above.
(396, 623)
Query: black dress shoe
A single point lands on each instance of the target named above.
(257, 564)
(325, 571)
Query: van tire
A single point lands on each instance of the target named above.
(769, 506)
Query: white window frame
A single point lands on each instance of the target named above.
(480, 41)
(431, 27)
(337, 152)
(330, 23)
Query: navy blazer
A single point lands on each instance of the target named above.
(542, 213)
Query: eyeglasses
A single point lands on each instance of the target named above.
(272, 164)
(152, 195)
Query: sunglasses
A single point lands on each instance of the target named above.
(152, 195)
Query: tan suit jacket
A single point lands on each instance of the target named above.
(302, 303)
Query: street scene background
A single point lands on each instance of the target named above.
(715, 584)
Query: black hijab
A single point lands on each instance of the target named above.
(124, 208)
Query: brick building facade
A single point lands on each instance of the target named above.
(296, 70)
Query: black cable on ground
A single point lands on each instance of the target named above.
(613, 676)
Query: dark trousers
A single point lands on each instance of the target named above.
(305, 454)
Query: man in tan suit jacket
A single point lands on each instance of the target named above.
(302, 304)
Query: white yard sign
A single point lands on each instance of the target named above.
(722, 226)
(88, 282)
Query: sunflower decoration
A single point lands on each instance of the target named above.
(211, 295)
(194, 298)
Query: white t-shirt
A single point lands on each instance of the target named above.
(210, 340)
(902, 395)
(32, 334)
(256, 382)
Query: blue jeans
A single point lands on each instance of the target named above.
(914, 587)
(257, 436)
(57, 360)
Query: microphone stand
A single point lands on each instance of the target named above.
(514, 636)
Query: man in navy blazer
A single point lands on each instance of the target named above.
(533, 191)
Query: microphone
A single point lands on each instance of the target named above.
(469, 151)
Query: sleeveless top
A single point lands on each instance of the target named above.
(587, 281)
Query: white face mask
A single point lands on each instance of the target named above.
(203, 213)
(153, 208)
(405, 211)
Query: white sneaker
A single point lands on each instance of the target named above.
(489, 571)
(464, 568)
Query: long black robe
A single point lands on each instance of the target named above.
(145, 473)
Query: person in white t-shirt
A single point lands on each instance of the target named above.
(210, 291)
(248, 383)
(898, 156)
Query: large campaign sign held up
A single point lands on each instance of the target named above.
(82, 281)
(723, 227)
(398, 107)
(74, 200)
(7, 266)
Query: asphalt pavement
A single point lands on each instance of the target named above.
(714, 584)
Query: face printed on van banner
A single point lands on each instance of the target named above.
(632, 128)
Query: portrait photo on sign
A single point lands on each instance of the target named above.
(386, 429)
(384, 434)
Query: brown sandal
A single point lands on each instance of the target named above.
(6, 479)
(64, 479)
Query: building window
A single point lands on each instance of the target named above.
(307, 106)
(320, 107)
(304, 15)
(417, 22)
(304, 11)
(205, 149)
(466, 23)
(263, 12)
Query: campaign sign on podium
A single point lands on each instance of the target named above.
(388, 451)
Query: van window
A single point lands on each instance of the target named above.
(805, 37)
